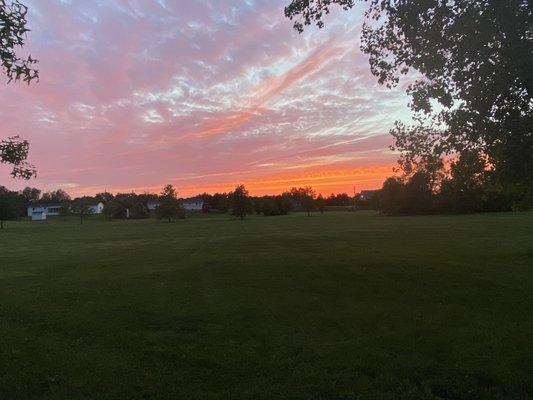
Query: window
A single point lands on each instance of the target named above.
(53, 210)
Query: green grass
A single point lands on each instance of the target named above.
(340, 306)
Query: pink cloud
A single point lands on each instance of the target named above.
(203, 95)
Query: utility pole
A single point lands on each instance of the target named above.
(354, 198)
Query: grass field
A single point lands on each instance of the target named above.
(336, 306)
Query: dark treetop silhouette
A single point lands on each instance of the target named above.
(474, 59)
(12, 35)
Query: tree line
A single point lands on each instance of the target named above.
(167, 205)
(466, 187)
(469, 146)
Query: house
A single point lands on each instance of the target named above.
(38, 216)
(96, 208)
(193, 204)
(41, 210)
(152, 205)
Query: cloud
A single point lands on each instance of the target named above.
(201, 94)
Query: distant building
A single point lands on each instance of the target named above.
(97, 208)
(193, 204)
(41, 210)
(152, 205)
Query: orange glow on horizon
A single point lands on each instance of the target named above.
(324, 182)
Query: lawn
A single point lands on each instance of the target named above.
(337, 306)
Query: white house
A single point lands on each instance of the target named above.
(152, 205)
(38, 216)
(96, 208)
(194, 204)
(39, 211)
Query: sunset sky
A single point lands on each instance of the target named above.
(201, 94)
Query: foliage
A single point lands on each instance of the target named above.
(273, 205)
(464, 190)
(392, 197)
(10, 203)
(111, 209)
(31, 194)
(339, 199)
(13, 31)
(128, 205)
(14, 151)
(305, 198)
(13, 35)
(104, 197)
(474, 88)
(81, 207)
(56, 196)
(218, 202)
(307, 12)
(169, 205)
(240, 202)
(139, 210)
(320, 203)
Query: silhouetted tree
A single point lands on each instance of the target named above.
(9, 202)
(12, 36)
(13, 31)
(65, 209)
(57, 196)
(340, 199)
(81, 207)
(392, 197)
(104, 197)
(258, 204)
(31, 194)
(320, 204)
(475, 87)
(111, 209)
(418, 194)
(169, 205)
(305, 196)
(241, 203)
(139, 210)
(14, 151)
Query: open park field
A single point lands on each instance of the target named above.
(336, 306)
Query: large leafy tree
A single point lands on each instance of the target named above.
(241, 202)
(305, 197)
(57, 196)
(473, 59)
(169, 206)
(11, 205)
(13, 29)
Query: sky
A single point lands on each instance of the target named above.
(135, 94)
